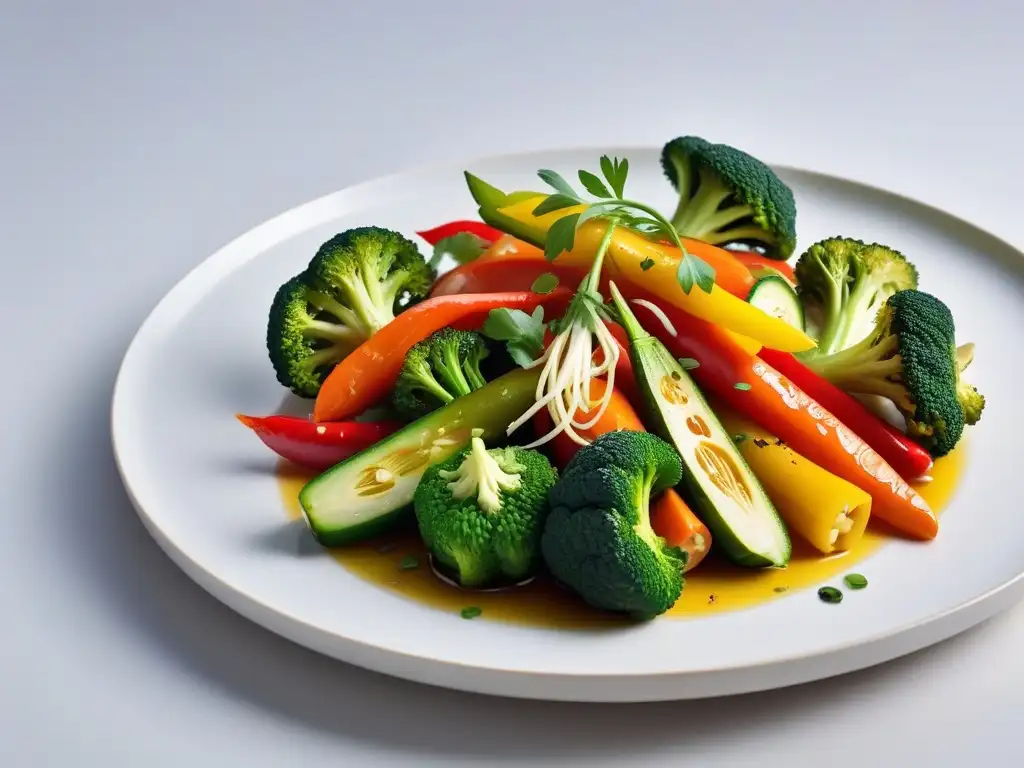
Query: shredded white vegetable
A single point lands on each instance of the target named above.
(659, 313)
(564, 386)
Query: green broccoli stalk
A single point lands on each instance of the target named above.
(443, 366)
(727, 196)
(843, 283)
(352, 288)
(911, 358)
(481, 512)
(598, 539)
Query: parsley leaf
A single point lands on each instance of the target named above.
(561, 236)
(615, 171)
(646, 264)
(554, 180)
(594, 185)
(545, 283)
(695, 272)
(554, 202)
(523, 334)
(464, 247)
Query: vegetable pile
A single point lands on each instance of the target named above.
(609, 395)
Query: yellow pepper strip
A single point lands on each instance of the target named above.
(830, 513)
(622, 264)
(747, 344)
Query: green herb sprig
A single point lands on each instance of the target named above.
(614, 206)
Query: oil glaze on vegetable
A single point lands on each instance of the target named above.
(541, 604)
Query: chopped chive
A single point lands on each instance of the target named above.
(742, 386)
(409, 563)
(688, 363)
(830, 595)
(546, 283)
(646, 264)
(855, 581)
(471, 612)
(740, 438)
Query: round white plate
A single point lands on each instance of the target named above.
(205, 487)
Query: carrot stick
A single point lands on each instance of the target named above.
(368, 374)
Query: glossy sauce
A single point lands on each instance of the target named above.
(713, 587)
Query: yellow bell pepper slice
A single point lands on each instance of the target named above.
(622, 264)
(827, 511)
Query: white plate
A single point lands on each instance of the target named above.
(205, 487)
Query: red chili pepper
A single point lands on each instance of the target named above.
(909, 459)
(317, 446)
(478, 228)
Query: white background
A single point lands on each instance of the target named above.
(136, 138)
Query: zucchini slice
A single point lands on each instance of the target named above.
(367, 493)
(774, 295)
(725, 492)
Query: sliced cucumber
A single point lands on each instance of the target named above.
(774, 295)
(369, 492)
(728, 497)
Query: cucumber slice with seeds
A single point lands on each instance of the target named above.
(775, 296)
(366, 494)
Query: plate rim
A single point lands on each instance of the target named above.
(207, 273)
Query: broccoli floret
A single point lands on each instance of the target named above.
(912, 359)
(443, 366)
(598, 538)
(727, 196)
(843, 283)
(481, 512)
(353, 287)
(304, 340)
(970, 398)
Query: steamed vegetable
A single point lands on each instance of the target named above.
(671, 518)
(843, 283)
(481, 512)
(317, 446)
(903, 454)
(774, 295)
(727, 495)
(598, 539)
(727, 196)
(569, 364)
(630, 254)
(514, 213)
(443, 366)
(351, 289)
(911, 358)
(368, 493)
(828, 512)
(754, 389)
(368, 375)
